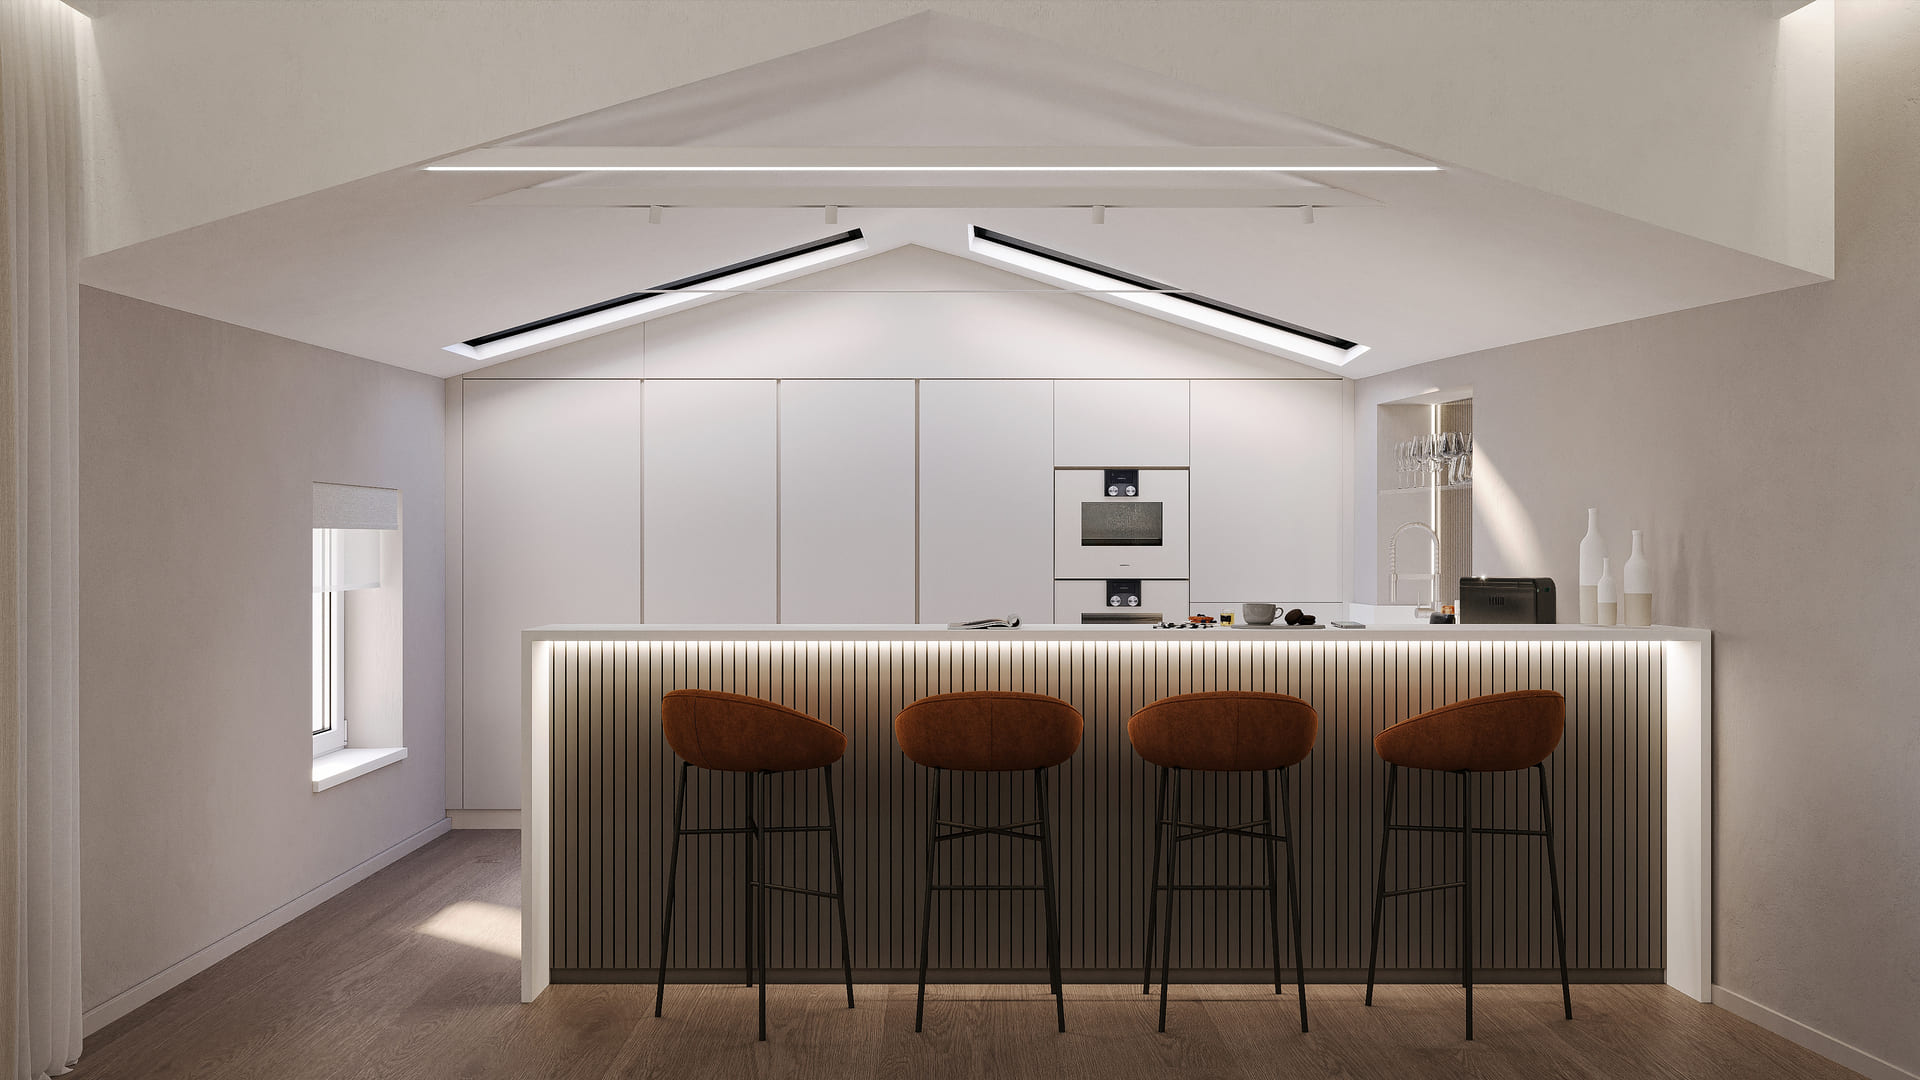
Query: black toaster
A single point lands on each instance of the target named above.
(1506, 600)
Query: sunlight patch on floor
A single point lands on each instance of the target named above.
(477, 924)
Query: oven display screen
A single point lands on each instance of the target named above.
(1120, 524)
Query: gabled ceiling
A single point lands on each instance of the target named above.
(1418, 266)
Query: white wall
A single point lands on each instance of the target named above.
(198, 443)
(1497, 86)
(1767, 447)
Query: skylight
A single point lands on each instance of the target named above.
(1189, 309)
(633, 307)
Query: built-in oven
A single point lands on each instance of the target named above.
(1120, 600)
(1120, 523)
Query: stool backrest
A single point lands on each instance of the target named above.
(1225, 731)
(736, 733)
(1492, 733)
(989, 731)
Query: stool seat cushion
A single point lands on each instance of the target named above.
(989, 731)
(1495, 733)
(1225, 731)
(736, 733)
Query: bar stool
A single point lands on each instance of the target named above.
(733, 733)
(1223, 732)
(991, 731)
(1494, 733)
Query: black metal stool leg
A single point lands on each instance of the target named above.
(1153, 890)
(926, 904)
(839, 882)
(1173, 893)
(1466, 894)
(746, 875)
(673, 873)
(1273, 874)
(1380, 879)
(1553, 877)
(760, 886)
(1293, 902)
(1050, 898)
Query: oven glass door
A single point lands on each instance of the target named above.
(1122, 523)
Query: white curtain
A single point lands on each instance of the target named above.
(40, 203)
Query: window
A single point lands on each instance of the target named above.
(329, 651)
(356, 714)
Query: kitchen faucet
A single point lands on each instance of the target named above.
(1393, 567)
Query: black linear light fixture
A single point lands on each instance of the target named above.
(1189, 309)
(622, 310)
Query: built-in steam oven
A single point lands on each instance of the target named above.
(1120, 523)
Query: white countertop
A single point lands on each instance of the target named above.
(1077, 632)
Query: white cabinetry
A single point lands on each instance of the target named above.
(1267, 484)
(712, 510)
(846, 501)
(551, 531)
(1115, 423)
(986, 499)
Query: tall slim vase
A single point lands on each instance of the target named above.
(1607, 595)
(1636, 588)
(1593, 553)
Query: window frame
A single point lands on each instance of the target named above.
(327, 718)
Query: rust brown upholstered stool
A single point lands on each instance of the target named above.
(731, 733)
(1495, 733)
(991, 731)
(1223, 732)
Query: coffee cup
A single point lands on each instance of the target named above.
(1259, 614)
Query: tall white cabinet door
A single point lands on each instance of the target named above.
(713, 519)
(1266, 486)
(551, 531)
(846, 501)
(986, 499)
(1115, 423)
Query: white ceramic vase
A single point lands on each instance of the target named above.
(1636, 587)
(1607, 596)
(1593, 555)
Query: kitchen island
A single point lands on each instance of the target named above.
(1631, 784)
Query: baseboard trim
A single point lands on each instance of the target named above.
(485, 819)
(173, 975)
(1812, 1038)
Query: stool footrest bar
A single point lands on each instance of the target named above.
(1425, 888)
(793, 889)
(1477, 830)
(1247, 831)
(966, 830)
(739, 830)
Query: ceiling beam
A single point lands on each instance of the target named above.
(1230, 198)
(934, 159)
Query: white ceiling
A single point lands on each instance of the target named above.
(1418, 266)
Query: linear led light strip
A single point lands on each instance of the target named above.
(933, 159)
(1187, 308)
(622, 310)
(585, 167)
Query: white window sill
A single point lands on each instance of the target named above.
(332, 770)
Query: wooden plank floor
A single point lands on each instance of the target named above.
(415, 973)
